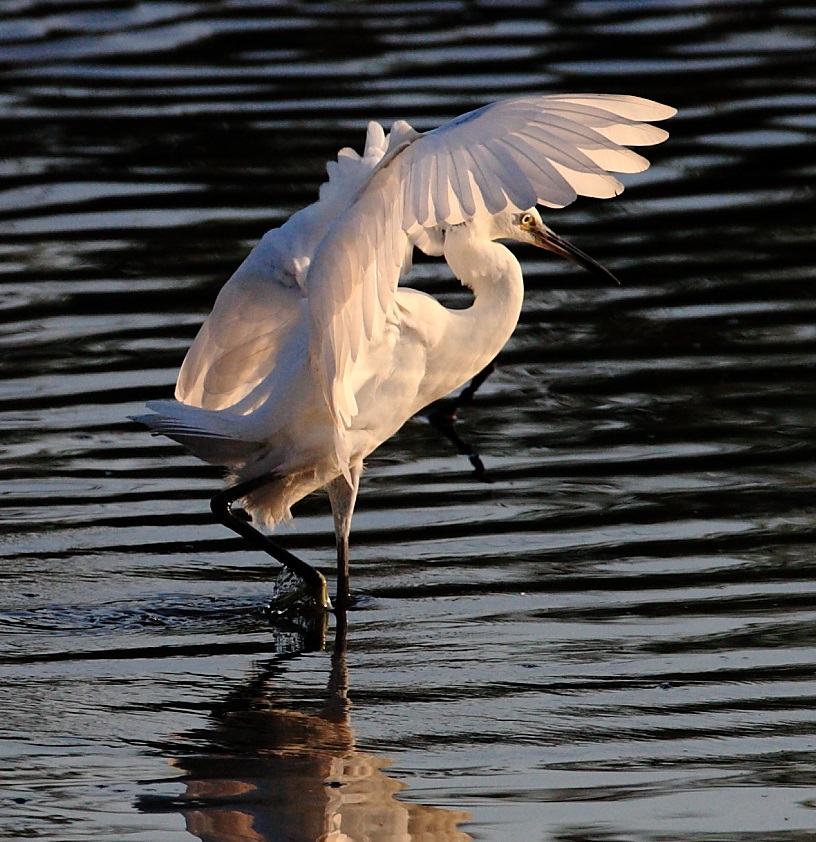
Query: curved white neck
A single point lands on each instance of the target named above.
(474, 336)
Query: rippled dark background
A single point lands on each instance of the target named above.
(612, 640)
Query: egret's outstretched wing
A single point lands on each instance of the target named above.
(237, 347)
(534, 150)
(543, 150)
(253, 316)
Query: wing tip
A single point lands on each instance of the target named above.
(630, 106)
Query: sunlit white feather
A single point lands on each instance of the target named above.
(311, 356)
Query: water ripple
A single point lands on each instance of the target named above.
(611, 638)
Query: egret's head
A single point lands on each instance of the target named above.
(527, 227)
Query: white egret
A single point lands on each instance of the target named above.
(312, 356)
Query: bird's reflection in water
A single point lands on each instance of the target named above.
(277, 773)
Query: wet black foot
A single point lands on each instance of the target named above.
(293, 595)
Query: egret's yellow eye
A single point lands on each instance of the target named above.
(527, 220)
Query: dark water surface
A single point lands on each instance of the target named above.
(615, 639)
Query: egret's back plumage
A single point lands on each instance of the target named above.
(312, 357)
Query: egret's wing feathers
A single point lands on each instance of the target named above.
(238, 346)
(518, 153)
(351, 288)
(536, 150)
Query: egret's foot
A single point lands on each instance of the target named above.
(442, 416)
(291, 594)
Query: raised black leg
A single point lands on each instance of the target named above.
(221, 506)
(443, 414)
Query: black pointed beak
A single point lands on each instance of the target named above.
(547, 239)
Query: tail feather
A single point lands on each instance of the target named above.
(212, 435)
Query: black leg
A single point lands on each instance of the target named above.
(466, 395)
(443, 414)
(343, 497)
(221, 506)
